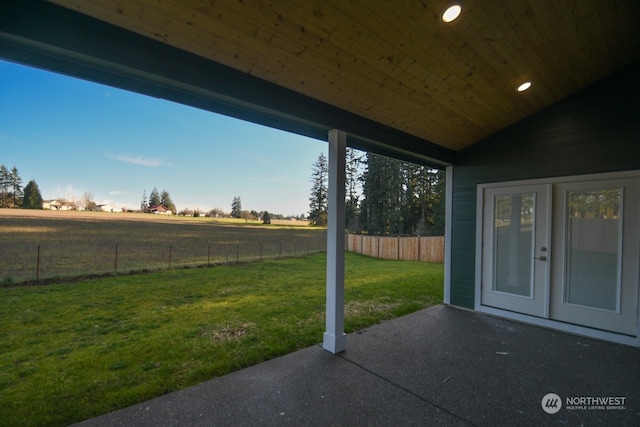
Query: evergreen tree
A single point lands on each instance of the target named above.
(32, 198)
(425, 200)
(411, 198)
(318, 210)
(266, 218)
(396, 197)
(154, 198)
(143, 205)
(401, 198)
(382, 188)
(236, 207)
(5, 181)
(165, 200)
(352, 168)
(10, 187)
(16, 186)
(438, 196)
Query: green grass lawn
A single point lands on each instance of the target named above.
(69, 352)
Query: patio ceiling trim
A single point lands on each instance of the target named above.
(54, 38)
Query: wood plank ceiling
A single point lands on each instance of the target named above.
(396, 62)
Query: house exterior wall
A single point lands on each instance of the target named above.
(594, 131)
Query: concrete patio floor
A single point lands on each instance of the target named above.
(439, 366)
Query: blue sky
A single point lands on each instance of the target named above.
(74, 136)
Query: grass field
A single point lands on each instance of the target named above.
(73, 351)
(50, 244)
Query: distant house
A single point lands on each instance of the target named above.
(66, 205)
(108, 208)
(49, 204)
(160, 210)
(59, 205)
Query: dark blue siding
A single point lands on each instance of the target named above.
(594, 131)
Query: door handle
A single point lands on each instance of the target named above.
(541, 258)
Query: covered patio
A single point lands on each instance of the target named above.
(396, 79)
(531, 108)
(439, 366)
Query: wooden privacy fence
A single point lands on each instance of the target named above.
(426, 249)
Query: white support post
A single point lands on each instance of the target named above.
(335, 340)
(448, 212)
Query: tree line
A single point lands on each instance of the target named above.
(13, 195)
(384, 196)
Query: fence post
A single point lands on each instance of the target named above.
(38, 264)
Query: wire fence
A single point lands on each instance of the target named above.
(61, 257)
(53, 260)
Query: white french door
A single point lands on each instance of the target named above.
(595, 275)
(567, 251)
(515, 249)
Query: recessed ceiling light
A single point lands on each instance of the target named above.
(451, 12)
(524, 86)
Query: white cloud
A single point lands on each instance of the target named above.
(140, 161)
(118, 193)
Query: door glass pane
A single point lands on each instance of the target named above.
(513, 244)
(593, 243)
